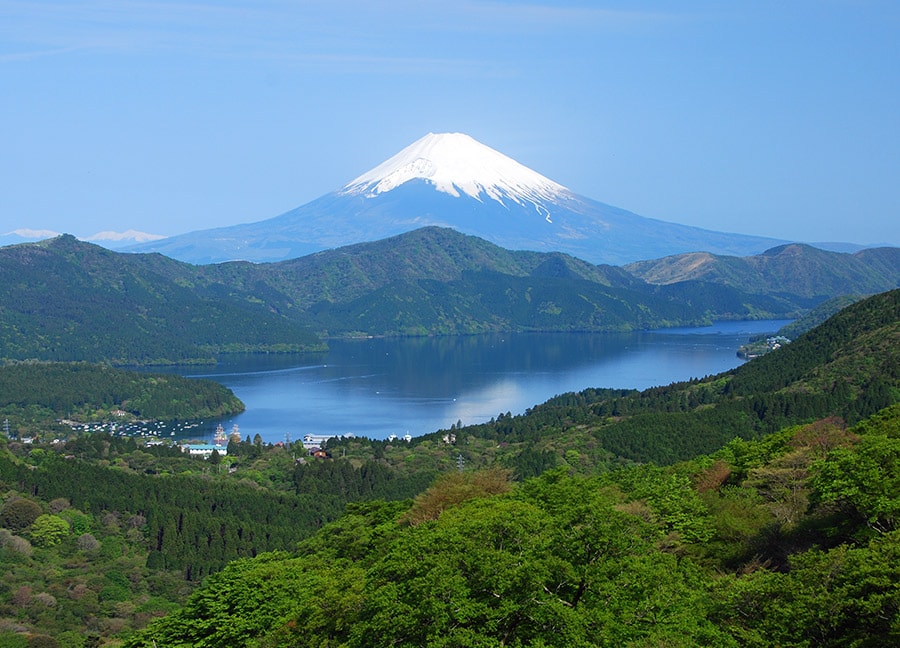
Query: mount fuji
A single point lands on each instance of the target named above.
(451, 180)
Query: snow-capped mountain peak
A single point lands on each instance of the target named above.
(457, 164)
(129, 236)
(33, 234)
(451, 180)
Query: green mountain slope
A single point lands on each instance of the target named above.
(436, 280)
(795, 269)
(847, 367)
(34, 395)
(67, 300)
(817, 315)
(430, 253)
(789, 540)
(770, 508)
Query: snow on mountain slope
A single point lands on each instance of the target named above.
(451, 180)
(107, 239)
(25, 235)
(454, 163)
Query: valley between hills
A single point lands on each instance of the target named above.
(756, 507)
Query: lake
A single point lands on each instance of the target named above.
(378, 387)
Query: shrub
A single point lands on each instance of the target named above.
(42, 641)
(454, 488)
(19, 514)
(87, 542)
(49, 530)
(15, 543)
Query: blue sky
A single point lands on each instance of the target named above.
(761, 117)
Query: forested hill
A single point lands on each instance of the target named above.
(796, 269)
(66, 300)
(817, 315)
(437, 281)
(33, 395)
(789, 536)
(848, 367)
(773, 521)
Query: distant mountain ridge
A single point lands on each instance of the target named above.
(108, 239)
(800, 270)
(451, 180)
(63, 299)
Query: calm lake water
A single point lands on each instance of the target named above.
(377, 387)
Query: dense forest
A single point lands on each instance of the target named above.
(791, 540)
(757, 507)
(849, 368)
(817, 315)
(35, 395)
(102, 533)
(65, 300)
(794, 269)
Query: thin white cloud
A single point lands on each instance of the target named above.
(571, 15)
(35, 54)
(122, 25)
(310, 32)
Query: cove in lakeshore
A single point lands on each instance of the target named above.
(383, 386)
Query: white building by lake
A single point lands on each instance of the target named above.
(204, 450)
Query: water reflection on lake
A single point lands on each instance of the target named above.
(376, 387)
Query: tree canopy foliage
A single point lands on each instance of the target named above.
(66, 300)
(40, 392)
(758, 507)
(697, 554)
